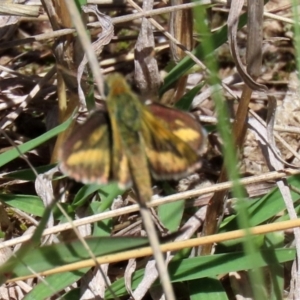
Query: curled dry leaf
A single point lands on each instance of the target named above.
(103, 39)
(232, 22)
(288, 114)
(43, 187)
(130, 269)
(181, 28)
(146, 69)
(93, 283)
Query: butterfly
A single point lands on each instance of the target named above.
(128, 142)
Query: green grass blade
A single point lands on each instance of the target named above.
(10, 155)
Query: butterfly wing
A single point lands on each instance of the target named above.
(182, 124)
(86, 154)
(171, 139)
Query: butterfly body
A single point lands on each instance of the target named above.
(126, 111)
(132, 141)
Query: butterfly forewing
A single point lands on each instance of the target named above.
(182, 124)
(86, 153)
(169, 156)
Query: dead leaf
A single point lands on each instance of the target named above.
(146, 69)
(232, 22)
(103, 39)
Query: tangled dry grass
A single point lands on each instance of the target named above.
(44, 76)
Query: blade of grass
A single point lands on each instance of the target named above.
(10, 155)
(230, 159)
(211, 265)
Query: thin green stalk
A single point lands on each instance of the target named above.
(229, 151)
